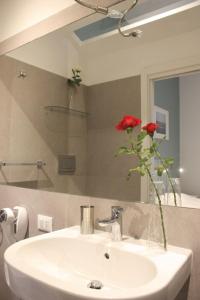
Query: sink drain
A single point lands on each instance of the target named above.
(107, 256)
(95, 284)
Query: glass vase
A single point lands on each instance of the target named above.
(71, 96)
(161, 189)
(174, 192)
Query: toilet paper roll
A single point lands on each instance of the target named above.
(8, 226)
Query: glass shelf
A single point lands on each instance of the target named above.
(66, 110)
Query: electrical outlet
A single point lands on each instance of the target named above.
(45, 223)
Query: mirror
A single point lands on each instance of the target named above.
(61, 137)
(176, 102)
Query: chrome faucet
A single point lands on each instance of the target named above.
(115, 222)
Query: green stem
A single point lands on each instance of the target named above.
(157, 194)
(160, 208)
(168, 175)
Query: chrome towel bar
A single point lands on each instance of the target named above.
(38, 163)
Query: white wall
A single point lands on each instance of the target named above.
(99, 67)
(114, 57)
(18, 15)
(133, 60)
(53, 52)
(190, 133)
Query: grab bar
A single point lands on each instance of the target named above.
(38, 163)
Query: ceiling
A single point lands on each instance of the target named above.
(59, 51)
(143, 10)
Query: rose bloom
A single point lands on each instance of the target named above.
(128, 122)
(150, 128)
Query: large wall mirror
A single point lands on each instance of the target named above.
(61, 138)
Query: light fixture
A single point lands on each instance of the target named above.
(96, 8)
(181, 170)
(114, 14)
(135, 33)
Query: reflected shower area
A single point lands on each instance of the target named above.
(51, 145)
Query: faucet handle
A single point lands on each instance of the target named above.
(116, 211)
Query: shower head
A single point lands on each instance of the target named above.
(112, 13)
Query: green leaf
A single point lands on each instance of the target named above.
(155, 144)
(141, 136)
(144, 159)
(154, 147)
(138, 148)
(160, 169)
(122, 150)
(130, 173)
(140, 169)
(169, 161)
(152, 150)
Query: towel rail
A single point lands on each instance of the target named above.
(39, 164)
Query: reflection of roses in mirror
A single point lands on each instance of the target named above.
(145, 155)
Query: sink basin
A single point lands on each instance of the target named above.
(61, 265)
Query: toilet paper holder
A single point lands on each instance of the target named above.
(17, 217)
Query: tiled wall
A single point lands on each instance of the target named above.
(140, 220)
(29, 133)
(106, 174)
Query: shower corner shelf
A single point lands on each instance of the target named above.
(66, 110)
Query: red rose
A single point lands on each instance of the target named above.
(128, 122)
(150, 128)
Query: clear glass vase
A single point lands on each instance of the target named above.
(154, 238)
(160, 186)
(174, 194)
(161, 189)
(71, 96)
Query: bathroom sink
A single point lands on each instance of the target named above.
(61, 265)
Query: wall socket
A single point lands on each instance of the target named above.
(44, 223)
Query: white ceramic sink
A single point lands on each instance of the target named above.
(60, 265)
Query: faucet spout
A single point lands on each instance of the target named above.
(115, 221)
(106, 222)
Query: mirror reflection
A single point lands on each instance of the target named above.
(63, 95)
(176, 102)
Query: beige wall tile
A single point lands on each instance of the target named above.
(139, 220)
(107, 103)
(28, 133)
